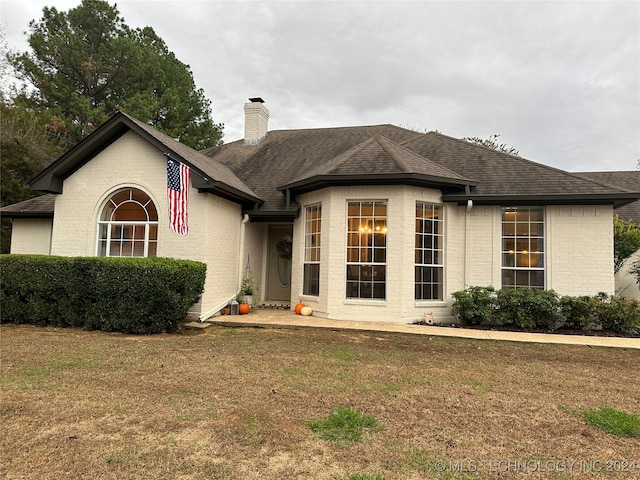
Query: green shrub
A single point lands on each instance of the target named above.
(528, 308)
(132, 295)
(533, 308)
(578, 312)
(618, 314)
(474, 305)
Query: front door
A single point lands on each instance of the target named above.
(279, 264)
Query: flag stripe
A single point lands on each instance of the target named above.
(178, 180)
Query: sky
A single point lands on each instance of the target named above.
(558, 80)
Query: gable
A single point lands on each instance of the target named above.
(213, 178)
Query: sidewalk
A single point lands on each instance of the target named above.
(287, 318)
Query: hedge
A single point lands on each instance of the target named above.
(130, 295)
(528, 308)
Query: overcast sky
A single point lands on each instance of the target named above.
(560, 81)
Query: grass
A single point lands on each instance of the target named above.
(614, 422)
(237, 404)
(345, 424)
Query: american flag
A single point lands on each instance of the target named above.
(178, 175)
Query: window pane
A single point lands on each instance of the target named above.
(429, 252)
(311, 272)
(118, 216)
(367, 230)
(523, 259)
(311, 281)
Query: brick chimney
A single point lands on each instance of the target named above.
(256, 119)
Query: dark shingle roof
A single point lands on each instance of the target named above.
(41, 206)
(285, 155)
(303, 160)
(629, 180)
(505, 176)
(289, 156)
(380, 157)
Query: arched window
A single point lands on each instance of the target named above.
(128, 225)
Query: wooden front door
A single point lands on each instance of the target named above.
(278, 268)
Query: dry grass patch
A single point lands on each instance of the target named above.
(236, 404)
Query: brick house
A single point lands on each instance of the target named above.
(362, 223)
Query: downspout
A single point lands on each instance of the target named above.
(221, 305)
(243, 227)
(466, 237)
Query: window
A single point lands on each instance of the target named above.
(523, 247)
(128, 226)
(429, 261)
(366, 249)
(311, 276)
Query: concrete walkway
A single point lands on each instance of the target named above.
(287, 318)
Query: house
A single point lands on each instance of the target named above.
(362, 223)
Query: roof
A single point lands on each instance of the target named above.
(206, 175)
(302, 160)
(378, 160)
(266, 178)
(41, 206)
(508, 179)
(629, 180)
(284, 155)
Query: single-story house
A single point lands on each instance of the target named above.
(361, 223)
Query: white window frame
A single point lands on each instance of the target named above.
(312, 244)
(423, 252)
(109, 242)
(506, 242)
(369, 229)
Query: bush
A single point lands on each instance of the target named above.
(618, 314)
(131, 295)
(528, 308)
(578, 312)
(542, 309)
(474, 305)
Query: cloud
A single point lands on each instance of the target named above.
(560, 81)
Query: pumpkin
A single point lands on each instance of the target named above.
(244, 308)
(306, 311)
(298, 308)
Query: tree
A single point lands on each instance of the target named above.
(26, 150)
(492, 142)
(87, 63)
(626, 241)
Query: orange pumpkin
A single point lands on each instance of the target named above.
(244, 308)
(298, 308)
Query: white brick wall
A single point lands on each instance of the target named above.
(31, 235)
(579, 254)
(214, 223)
(580, 249)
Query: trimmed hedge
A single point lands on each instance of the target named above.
(543, 309)
(130, 295)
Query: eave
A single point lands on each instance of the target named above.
(415, 179)
(615, 199)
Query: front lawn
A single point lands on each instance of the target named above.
(240, 403)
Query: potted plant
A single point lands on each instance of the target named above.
(247, 290)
